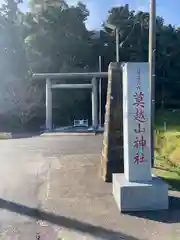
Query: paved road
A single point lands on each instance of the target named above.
(49, 187)
(25, 165)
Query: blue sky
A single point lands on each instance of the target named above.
(169, 9)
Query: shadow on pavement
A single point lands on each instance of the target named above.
(174, 183)
(62, 221)
(172, 215)
(25, 135)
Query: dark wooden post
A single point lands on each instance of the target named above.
(112, 155)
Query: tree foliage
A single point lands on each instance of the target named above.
(52, 37)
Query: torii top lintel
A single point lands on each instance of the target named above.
(43, 76)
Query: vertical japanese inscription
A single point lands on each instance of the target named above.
(139, 117)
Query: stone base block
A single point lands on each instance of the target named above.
(137, 196)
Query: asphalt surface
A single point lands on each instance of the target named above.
(25, 166)
(50, 190)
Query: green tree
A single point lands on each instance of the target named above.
(17, 97)
(134, 32)
(57, 40)
(12, 48)
(52, 37)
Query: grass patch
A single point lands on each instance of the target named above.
(172, 178)
(4, 135)
(167, 147)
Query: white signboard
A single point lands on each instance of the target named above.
(136, 122)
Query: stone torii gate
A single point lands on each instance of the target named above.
(58, 76)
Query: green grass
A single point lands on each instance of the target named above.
(172, 178)
(168, 170)
(5, 135)
(167, 147)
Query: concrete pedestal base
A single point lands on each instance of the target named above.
(135, 196)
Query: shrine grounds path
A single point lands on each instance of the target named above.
(50, 189)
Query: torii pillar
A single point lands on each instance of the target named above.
(94, 103)
(48, 105)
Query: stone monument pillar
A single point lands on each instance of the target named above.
(112, 154)
(136, 189)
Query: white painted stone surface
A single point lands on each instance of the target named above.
(139, 196)
(136, 189)
(136, 120)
